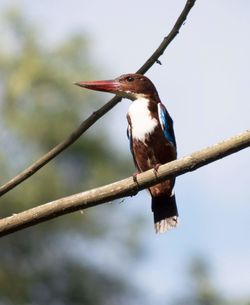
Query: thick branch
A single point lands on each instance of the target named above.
(32, 169)
(123, 188)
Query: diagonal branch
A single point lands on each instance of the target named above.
(32, 169)
(122, 188)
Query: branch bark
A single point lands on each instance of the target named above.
(33, 168)
(122, 188)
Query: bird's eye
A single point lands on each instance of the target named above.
(130, 79)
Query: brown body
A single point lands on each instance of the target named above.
(152, 152)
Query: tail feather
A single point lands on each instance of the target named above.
(165, 213)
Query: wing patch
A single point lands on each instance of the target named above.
(166, 124)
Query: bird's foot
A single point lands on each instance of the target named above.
(137, 184)
(156, 167)
(135, 177)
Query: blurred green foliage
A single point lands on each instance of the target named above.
(51, 263)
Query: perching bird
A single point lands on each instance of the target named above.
(151, 136)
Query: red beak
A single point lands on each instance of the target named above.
(100, 85)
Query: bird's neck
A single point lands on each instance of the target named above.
(144, 102)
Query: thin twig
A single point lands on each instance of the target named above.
(168, 39)
(32, 169)
(123, 188)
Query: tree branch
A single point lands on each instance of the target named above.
(32, 169)
(122, 188)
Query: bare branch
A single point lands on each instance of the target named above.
(122, 188)
(32, 169)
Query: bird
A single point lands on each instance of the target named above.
(151, 137)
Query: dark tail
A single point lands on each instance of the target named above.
(165, 213)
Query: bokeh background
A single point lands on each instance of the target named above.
(110, 254)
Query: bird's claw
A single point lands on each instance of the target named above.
(156, 167)
(136, 189)
(135, 177)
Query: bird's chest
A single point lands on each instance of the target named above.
(141, 120)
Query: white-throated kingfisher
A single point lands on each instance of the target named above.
(151, 136)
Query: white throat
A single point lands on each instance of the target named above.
(141, 120)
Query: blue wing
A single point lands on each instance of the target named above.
(166, 124)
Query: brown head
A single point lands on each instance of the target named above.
(131, 86)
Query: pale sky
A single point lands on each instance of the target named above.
(204, 82)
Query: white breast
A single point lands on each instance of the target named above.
(141, 120)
